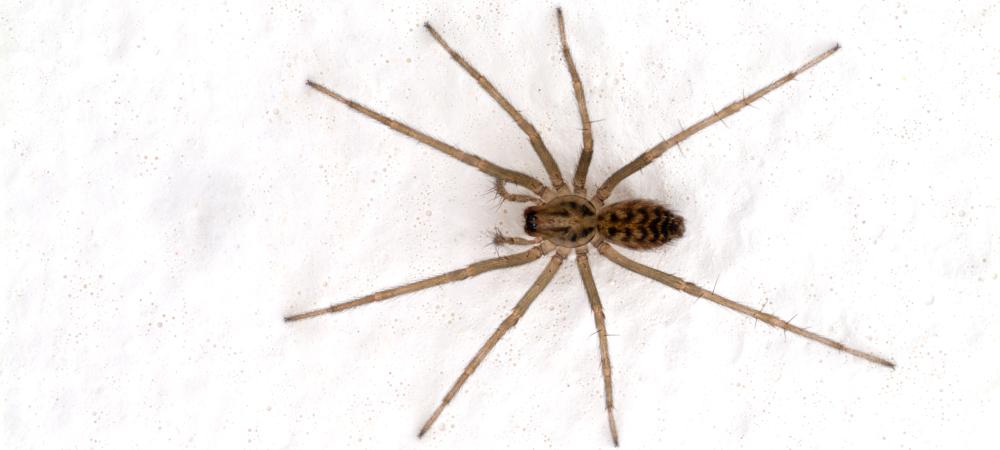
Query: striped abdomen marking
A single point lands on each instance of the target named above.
(639, 224)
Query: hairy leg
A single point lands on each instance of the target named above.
(500, 187)
(694, 290)
(483, 165)
(536, 140)
(511, 320)
(502, 239)
(580, 179)
(472, 270)
(583, 263)
(650, 155)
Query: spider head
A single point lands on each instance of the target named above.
(531, 222)
(567, 221)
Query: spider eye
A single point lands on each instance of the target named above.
(530, 223)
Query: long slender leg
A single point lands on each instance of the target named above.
(536, 140)
(500, 187)
(694, 290)
(580, 179)
(483, 165)
(650, 155)
(511, 320)
(583, 263)
(472, 270)
(501, 239)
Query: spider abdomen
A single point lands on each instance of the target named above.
(639, 224)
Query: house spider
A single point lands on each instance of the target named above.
(563, 220)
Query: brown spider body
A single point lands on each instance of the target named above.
(639, 224)
(573, 221)
(567, 221)
(564, 221)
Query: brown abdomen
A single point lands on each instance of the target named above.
(639, 224)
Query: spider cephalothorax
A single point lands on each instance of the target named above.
(568, 221)
(564, 220)
(573, 221)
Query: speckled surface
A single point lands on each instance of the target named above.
(171, 189)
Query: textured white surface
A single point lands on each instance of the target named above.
(171, 189)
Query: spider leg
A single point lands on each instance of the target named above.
(583, 263)
(536, 140)
(483, 165)
(650, 155)
(501, 239)
(472, 270)
(500, 187)
(694, 290)
(511, 320)
(580, 179)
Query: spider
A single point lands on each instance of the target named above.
(562, 219)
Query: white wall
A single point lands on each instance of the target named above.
(172, 189)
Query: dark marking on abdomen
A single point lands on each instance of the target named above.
(639, 224)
